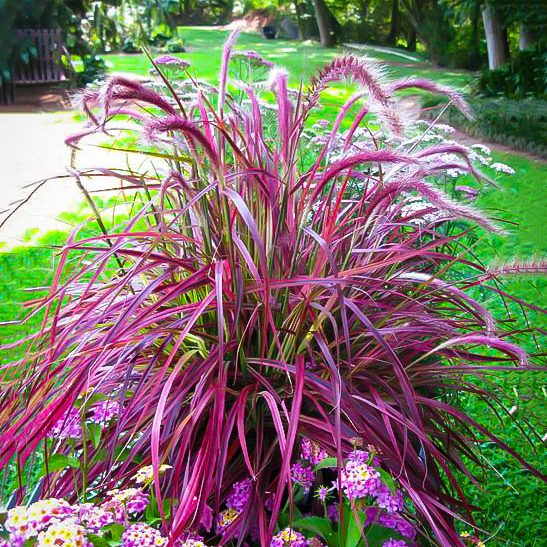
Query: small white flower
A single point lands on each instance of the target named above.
(482, 148)
(444, 128)
(503, 168)
(484, 160)
(454, 173)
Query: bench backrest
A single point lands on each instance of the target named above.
(47, 65)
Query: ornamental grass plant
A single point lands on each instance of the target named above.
(285, 289)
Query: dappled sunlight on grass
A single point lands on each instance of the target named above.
(299, 58)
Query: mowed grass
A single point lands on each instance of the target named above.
(513, 500)
(204, 47)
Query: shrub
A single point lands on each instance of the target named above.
(524, 75)
(265, 292)
(130, 46)
(175, 45)
(94, 69)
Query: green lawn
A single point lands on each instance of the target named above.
(204, 48)
(509, 490)
(513, 499)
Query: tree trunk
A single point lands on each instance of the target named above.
(475, 34)
(411, 39)
(363, 5)
(505, 41)
(494, 36)
(299, 23)
(394, 27)
(526, 37)
(227, 11)
(363, 13)
(326, 34)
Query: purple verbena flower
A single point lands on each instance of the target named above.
(302, 475)
(332, 512)
(170, 60)
(104, 412)
(468, 191)
(253, 57)
(311, 451)
(322, 124)
(392, 503)
(269, 501)
(69, 426)
(398, 523)
(240, 495)
(395, 543)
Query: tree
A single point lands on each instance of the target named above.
(531, 18)
(429, 20)
(526, 36)
(494, 36)
(326, 23)
(394, 25)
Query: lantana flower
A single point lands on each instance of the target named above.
(66, 533)
(142, 535)
(146, 474)
(95, 518)
(26, 522)
(289, 538)
(226, 518)
(359, 480)
(134, 500)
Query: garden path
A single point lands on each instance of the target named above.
(32, 148)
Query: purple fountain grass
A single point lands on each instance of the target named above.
(258, 297)
(434, 87)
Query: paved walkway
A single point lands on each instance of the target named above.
(32, 148)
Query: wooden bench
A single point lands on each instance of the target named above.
(47, 62)
(46, 66)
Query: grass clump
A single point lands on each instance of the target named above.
(279, 283)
